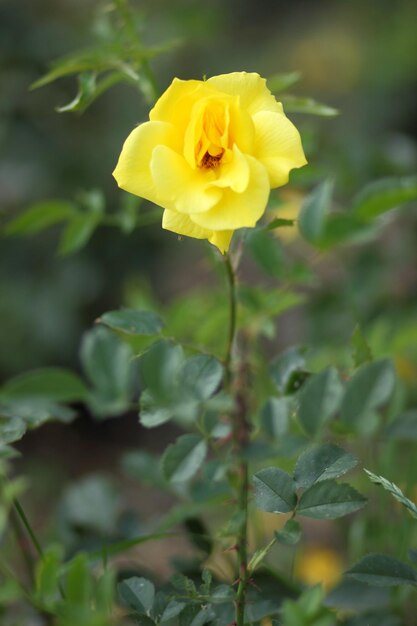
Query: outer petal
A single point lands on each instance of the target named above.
(234, 174)
(176, 102)
(238, 210)
(277, 146)
(180, 186)
(132, 171)
(183, 225)
(254, 94)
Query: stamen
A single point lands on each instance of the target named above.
(209, 161)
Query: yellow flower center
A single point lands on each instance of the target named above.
(208, 133)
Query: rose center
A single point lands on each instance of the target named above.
(213, 136)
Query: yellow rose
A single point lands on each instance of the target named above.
(210, 154)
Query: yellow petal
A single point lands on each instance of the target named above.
(180, 187)
(238, 210)
(254, 94)
(176, 102)
(183, 225)
(277, 146)
(234, 173)
(132, 171)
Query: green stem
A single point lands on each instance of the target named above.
(232, 318)
(237, 382)
(20, 512)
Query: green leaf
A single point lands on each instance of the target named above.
(89, 89)
(281, 82)
(266, 251)
(296, 104)
(206, 614)
(279, 222)
(40, 216)
(394, 490)
(322, 462)
(383, 195)
(328, 500)
(78, 232)
(361, 352)
(315, 208)
(173, 609)
(133, 322)
(404, 428)
(47, 576)
(275, 417)
(107, 362)
(201, 376)
(11, 429)
(184, 458)
(160, 369)
(290, 362)
(382, 571)
(319, 400)
(274, 491)
(138, 594)
(290, 534)
(368, 389)
(53, 383)
(143, 466)
(259, 556)
(91, 504)
(78, 588)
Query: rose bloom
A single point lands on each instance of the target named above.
(210, 154)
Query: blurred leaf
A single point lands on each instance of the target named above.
(383, 195)
(107, 362)
(315, 208)
(361, 352)
(297, 104)
(274, 491)
(319, 399)
(341, 228)
(285, 365)
(369, 388)
(89, 89)
(259, 555)
(404, 428)
(201, 376)
(78, 588)
(160, 368)
(290, 534)
(143, 466)
(132, 322)
(322, 462)
(382, 571)
(11, 429)
(266, 251)
(47, 576)
(183, 458)
(394, 490)
(40, 216)
(138, 594)
(104, 591)
(53, 384)
(329, 500)
(281, 82)
(91, 503)
(279, 222)
(77, 232)
(275, 417)
(172, 610)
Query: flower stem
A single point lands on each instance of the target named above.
(236, 381)
(231, 277)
